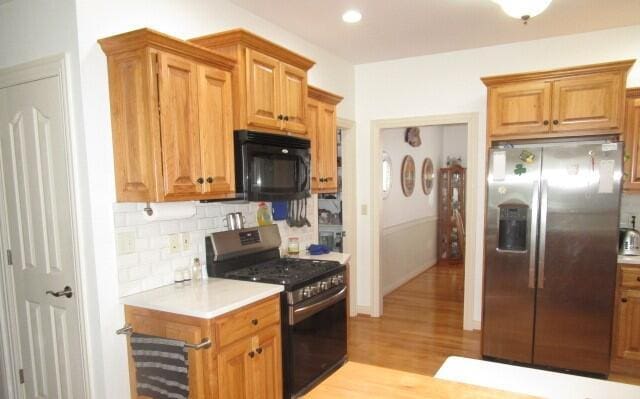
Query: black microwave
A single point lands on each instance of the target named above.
(271, 167)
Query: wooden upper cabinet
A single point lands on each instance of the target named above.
(270, 82)
(322, 124)
(585, 100)
(519, 108)
(264, 103)
(294, 95)
(171, 117)
(632, 141)
(215, 116)
(594, 102)
(179, 131)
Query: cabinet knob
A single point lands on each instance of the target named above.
(280, 117)
(209, 179)
(286, 117)
(254, 322)
(200, 180)
(259, 350)
(624, 300)
(638, 278)
(252, 354)
(555, 122)
(545, 122)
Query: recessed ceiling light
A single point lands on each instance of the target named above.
(352, 16)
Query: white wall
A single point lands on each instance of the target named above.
(31, 30)
(450, 83)
(396, 208)
(183, 19)
(454, 143)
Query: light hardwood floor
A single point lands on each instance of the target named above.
(421, 326)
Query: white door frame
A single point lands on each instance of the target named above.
(471, 208)
(54, 66)
(349, 206)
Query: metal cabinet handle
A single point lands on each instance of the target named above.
(254, 322)
(259, 350)
(252, 354)
(286, 117)
(555, 122)
(67, 291)
(200, 180)
(209, 179)
(638, 278)
(624, 300)
(545, 122)
(280, 117)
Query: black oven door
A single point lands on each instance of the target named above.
(274, 173)
(315, 342)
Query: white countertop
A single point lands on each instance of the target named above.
(635, 260)
(529, 381)
(206, 299)
(334, 256)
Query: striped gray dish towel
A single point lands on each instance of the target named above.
(162, 367)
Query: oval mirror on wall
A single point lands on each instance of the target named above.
(408, 175)
(427, 176)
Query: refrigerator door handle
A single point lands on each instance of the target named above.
(543, 233)
(535, 203)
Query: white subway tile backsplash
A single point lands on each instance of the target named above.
(152, 264)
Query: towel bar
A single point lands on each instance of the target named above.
(204, 344)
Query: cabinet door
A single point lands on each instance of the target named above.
(313, 130)
(216, 130)
(592, 102)
(628, 325)
(519, 109)
(328, 149)
(178, 94)
(234, 369)
(264, 106)
(632, 144)
(134, 125)
(266, 366)
(294, 96)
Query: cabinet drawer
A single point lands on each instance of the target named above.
(248, 321)
(630, 277)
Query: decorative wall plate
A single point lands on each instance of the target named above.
(427, 176)
(408, 175)
(412, 136)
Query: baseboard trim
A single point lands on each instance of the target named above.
(366, 310)
(411, 275)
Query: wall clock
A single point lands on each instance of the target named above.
(427, 176)
(408, 175)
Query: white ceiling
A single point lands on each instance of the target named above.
(404, 28)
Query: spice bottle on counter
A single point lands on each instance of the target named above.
(196, 270)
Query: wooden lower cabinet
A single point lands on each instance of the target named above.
(249, 367)
(626, 331)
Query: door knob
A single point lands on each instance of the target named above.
(254, 322)
(555, 122)
(209, 179)
(286, 117)
(280, 117)
(252, 354)
(259, 350)
(545, 123)
(624, 300)
(67, 291)
(200, 180)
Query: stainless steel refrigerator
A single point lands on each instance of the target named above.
(550, 253)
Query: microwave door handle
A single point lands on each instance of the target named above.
(303, 170)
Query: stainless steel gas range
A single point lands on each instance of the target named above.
(313, 304)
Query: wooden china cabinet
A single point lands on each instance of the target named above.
(451, 215)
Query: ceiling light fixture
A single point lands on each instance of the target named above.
(352, 16)
(523, 9)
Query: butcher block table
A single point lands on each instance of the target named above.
(360, 381)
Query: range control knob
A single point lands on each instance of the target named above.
(340, 278)
(306, 292)
(324, 285)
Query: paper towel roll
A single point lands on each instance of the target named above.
(171, 211)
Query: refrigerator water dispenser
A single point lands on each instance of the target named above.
(512, 228)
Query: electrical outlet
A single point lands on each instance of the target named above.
(174, 243)
(126, 243)
(185, 238)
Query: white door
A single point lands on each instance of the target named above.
(36, 203)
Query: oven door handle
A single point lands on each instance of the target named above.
(297, 315)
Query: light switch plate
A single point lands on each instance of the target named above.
(126, 242)
(185, 239)
(364, 209)
(174, 243)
